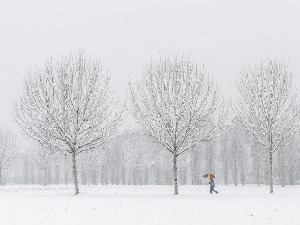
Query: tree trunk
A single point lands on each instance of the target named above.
(83, 176)
(225, 165)
(235, 173)
(45, 177)
(258, 167)
(49, 177)
(95, 177)
(242, 174)
(117, 175)
(123, 176)
(146, 176)
(140, 177)
(282, 159)
(235, 166)
(134, 176)
(258, 174)
(89, 177)
(175, 175)
(158, 177)
(32, 175)
(291, 173)
(210, 158)
(194, 166)
(199, 167)
(75, 173)
(235, 176)
(291, 176)
(271, 172)
(291, 169)
(267, 166)
(105, 174)
(66, 169)
(26, 170)
(57, 174)
(102, 174)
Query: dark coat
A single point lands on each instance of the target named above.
(212, 182)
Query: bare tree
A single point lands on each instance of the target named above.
(8, 149)
(266, 106)
(256, 161)
(195, 164)
(90, 163)
(225, 158)
(176, 103)
(293, 156)
(45, 159)
(68, 106)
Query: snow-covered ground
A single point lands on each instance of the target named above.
(155, 205)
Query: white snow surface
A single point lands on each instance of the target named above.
(153, 205)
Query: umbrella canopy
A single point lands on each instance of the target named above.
(209, 175)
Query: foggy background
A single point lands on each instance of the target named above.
(224, 35)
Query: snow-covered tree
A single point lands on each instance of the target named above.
(195, 158)
(134, 156)
(293, 156)
(68, 106)
(286, 160)
(256, 156)
(45, 159)
(225, 157)
(90, 163)
(177, 103)
(8, 149)
(266, 106)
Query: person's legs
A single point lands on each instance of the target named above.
(215, 190)
(211, 189)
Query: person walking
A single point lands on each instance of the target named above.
(212, 185)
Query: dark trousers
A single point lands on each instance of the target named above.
(212, 189)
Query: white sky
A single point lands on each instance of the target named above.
(225, 35)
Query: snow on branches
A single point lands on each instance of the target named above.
(8, 149)
(68, 106)
(266, 107)
(177, 103)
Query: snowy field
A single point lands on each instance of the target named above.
(155, 205)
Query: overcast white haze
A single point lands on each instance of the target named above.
(225, 35)
(164, 177)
